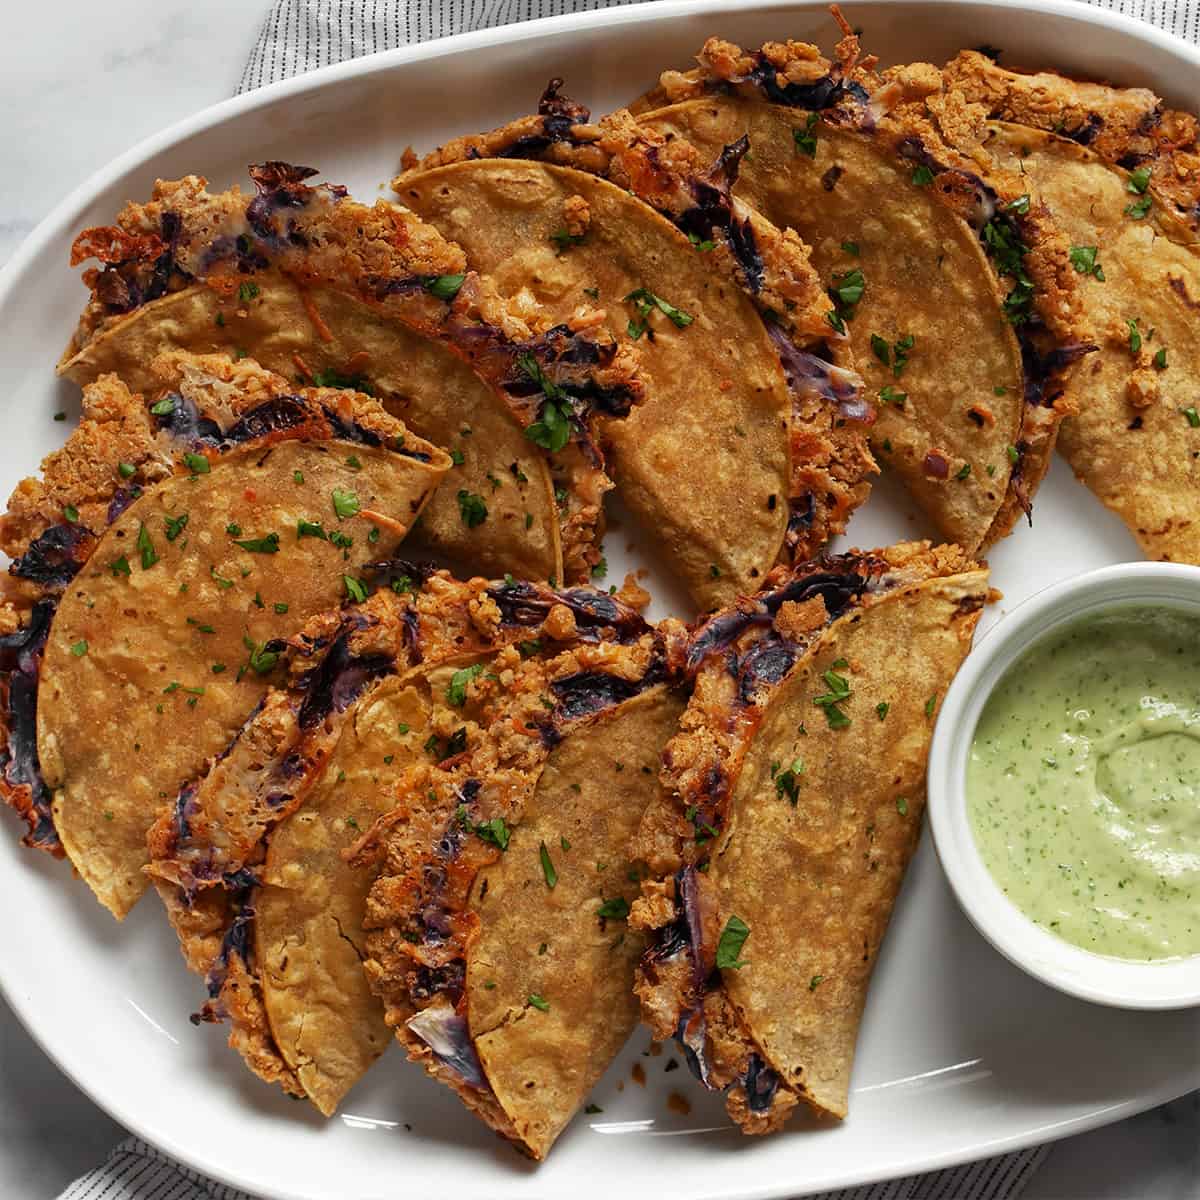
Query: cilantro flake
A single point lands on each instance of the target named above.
(733, 938)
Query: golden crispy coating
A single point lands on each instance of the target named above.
(319, 287)
(173, 592)
(920, 240)
(253, 858)
(791, 804)
(496, 928)
(730, 470)
(1136, 439)
(1127, 127)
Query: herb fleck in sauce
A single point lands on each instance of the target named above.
(1083, 785)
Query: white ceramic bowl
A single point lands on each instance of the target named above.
(1069, 968)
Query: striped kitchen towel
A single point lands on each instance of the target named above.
(136, 1171)
(301, 35)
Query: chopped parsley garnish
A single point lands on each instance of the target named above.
(848, 287)
(201, 626)
(881, 709)
(1193, 417)
(71, 513)
(881, 349)
(247, 292)
(815, 982)
(1019, 205)
(592, 1109)
(445, 287)
(1083, 259)
(355, 589)
(704, 246)
(645, 302)
(850, 248)
(233, 529)
(456, 457)
(471, 508)
(839, 691)
(310, 529)
(548, 871)
(733, 938)
(1160, 358)
(963, 471)
(224, 584)
(260, 660)
(922, 176)
(787, 779)
(562, 841)
(494, 831)
(552, 429)
(616, 909)
(538, 1002)
(280, 608)
(353, 462)
(146, 548)
(79, 648)
(902, 806)
(164, 408)
(342, 540)
(891, 395)
(600, 569)
(930, 705)
(714, 570)
(1139, 208)
(345, 504)
(120, 566)
(297, 476)
(564, 239)
(197, 464)
(1007, 251)
(900, 349)
(267, 544)
(456, 743)
(1013, 454)
(530, 648)
(1135, 336)
(456, 691)
(834, 318)
(126, 470)
(1139, 180)
(806, 139)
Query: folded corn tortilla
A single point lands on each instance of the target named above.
(231, 508)
(791, 805)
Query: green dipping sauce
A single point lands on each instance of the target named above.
(1083, 786)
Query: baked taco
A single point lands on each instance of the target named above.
(1122, 176)
(251, 859)
(956, 291)
(170, 544)
(791, 804)
(497, 928)
(325, 290)
(750, 444)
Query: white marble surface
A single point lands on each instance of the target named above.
(78, 84)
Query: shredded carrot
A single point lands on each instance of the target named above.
(315, 317)
(301, 365)
(356, 362)
(382, 519)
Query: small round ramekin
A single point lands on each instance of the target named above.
(1117, 982)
